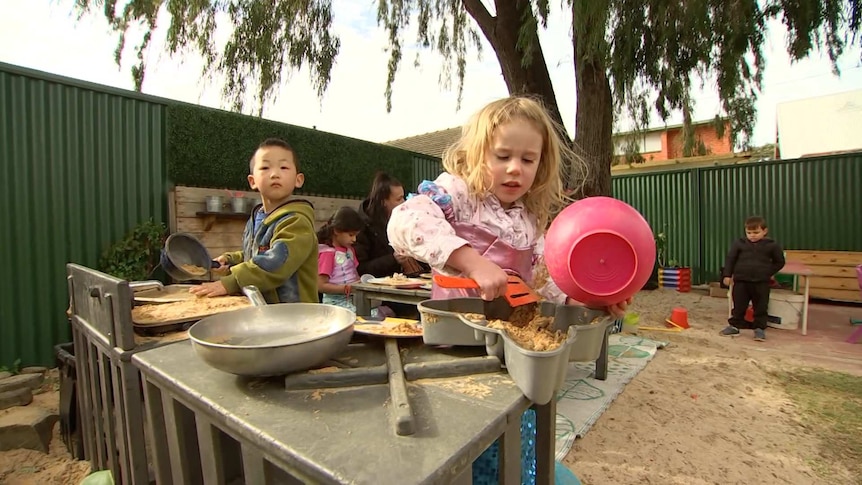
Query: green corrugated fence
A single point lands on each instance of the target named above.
(811, 203)
(82, 165)
(424, 168)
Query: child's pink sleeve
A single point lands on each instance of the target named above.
(355, 259)
(419, 228)
(542, 282)
(326, 261)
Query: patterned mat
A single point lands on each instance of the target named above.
(583, 399)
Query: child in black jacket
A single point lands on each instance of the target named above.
(751, 263)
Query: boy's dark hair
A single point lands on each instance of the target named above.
(345, 219)
(275, 142)
(755, 222)
(381, 189)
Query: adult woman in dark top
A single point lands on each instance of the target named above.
(375, 255)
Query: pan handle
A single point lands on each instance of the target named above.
(137, 286)
(254, 295)
(454, 282)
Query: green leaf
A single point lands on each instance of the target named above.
(134, 257)
(647, 54)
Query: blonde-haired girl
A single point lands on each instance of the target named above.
(486, 215)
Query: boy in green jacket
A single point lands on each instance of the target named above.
(279, 253)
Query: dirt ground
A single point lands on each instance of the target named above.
(29, 467)
(704, 411)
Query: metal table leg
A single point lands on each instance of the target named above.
(602, 362)
(805, 307)
(546, 418)
(510, 452)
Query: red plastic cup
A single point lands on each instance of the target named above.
(679, 318)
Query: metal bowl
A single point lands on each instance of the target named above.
(272, 340)
(181, 248)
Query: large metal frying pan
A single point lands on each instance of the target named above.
(271, 340)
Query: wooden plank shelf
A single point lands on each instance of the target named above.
(833, 273)
(211, 217)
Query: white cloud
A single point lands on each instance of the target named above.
(44, 35)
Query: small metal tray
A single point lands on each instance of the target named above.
(164, 294)
(163, 328)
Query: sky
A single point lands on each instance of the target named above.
(45, 35)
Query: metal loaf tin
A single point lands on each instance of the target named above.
(442, 325)
(591, 324)
(538, 374)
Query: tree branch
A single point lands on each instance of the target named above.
(481, 15)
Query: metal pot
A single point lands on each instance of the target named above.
(239, 204)
(272, 340)
(214, 203)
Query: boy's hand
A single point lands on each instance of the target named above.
(727, 281)
(618, 310)
(222, 265)
(208, 290)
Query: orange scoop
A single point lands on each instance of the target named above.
(517, 294)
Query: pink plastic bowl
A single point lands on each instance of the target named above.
(600, 251)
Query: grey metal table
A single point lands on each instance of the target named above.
(207, 426)
(364, 293)
(108, 389)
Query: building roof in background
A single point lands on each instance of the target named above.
(433, 144)
(436, 142)
(669, 127)
(761, 154)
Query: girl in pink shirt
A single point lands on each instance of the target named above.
(336, 261)
(486, 215)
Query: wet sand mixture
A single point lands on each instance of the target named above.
(534, 335)
(193, 269)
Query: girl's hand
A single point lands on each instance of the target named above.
(210, 289)
(492, 280)
(727, 281)
(618, 310)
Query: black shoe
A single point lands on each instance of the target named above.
(759, 334)
(729, 331)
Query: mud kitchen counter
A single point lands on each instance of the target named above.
(210, 427)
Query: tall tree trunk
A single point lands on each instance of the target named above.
(502, 32)
(593, 127)
(594, 119)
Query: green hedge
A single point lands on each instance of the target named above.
(211, 148)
